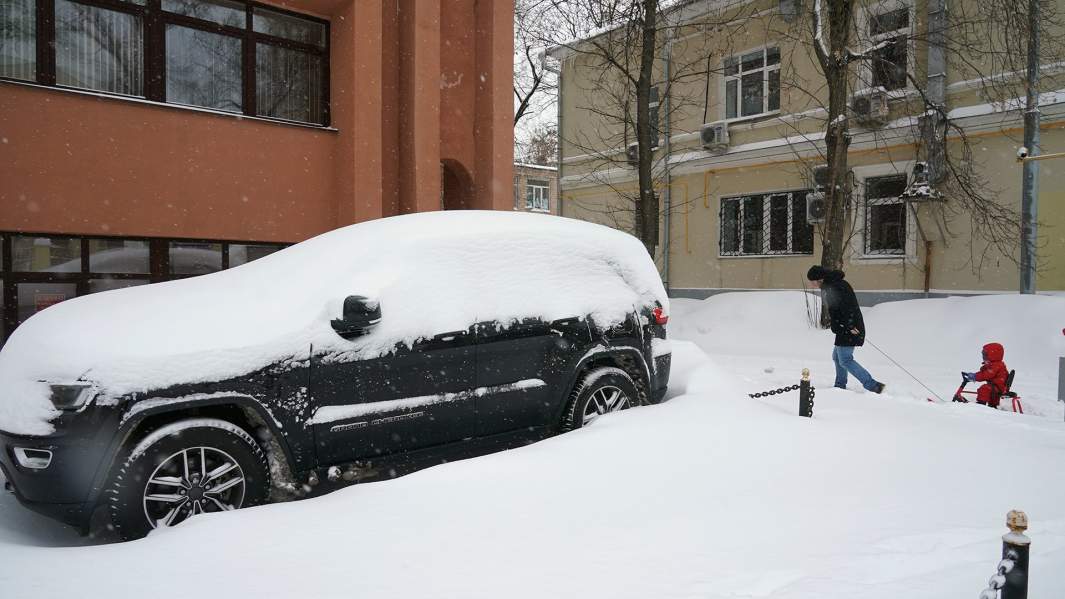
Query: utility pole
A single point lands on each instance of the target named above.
(1030, 182)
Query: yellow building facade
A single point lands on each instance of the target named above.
(734, 200)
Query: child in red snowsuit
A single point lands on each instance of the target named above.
(993, 373)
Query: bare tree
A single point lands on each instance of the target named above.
(985, 42)
(541, 147)
(534, 84)
(635, 83)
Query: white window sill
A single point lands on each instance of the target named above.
(742, 120)
(763, 256)
(882, 258)
(168, 105)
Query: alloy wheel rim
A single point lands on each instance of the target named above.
(603, 401)
(195, 480)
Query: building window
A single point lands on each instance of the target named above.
(654, 103)
(889, 25)
(38, 271)
(885, 216)
(752, 83)
(537, 195)
(517, 193)
(224, 55)
(765, 225)
(18, 39)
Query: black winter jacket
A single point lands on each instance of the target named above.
(843, 310)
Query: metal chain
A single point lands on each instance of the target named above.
(775, 391)
(995, 584)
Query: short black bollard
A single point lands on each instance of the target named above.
(1015, 547)
(806, 396)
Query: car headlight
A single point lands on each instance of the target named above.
(71, 396)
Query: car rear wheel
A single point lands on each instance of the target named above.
(600, 391)
(184, 469)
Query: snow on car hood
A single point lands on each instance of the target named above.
(432, 273)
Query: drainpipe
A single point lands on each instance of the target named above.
(935, 153)
(667, 132)
(558, 127)
(937, 53)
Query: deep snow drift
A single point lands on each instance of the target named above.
(933, 339)
(709, 495)
(431, 272)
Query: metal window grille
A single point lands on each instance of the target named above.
(885, 216)
(769, 224)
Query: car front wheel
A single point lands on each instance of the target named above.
(184, 469)
(600, 391)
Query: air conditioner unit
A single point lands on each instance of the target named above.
(920, 188)
(870, 108)
(816, 207)
(714, 136)
(632, 153)
(820, 177)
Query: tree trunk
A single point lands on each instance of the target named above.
(646, 221)
(835, 66)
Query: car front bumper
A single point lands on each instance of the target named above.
(64, 489)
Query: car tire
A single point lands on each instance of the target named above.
(600, 391)
(185, 468)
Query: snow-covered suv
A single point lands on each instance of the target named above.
(327, 361)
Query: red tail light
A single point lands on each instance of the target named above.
(660, 315)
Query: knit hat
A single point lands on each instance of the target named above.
(816, 272)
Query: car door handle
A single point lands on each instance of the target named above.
(445, 337)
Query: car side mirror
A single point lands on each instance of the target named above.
(359, 316)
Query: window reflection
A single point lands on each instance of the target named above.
(190, 258)
(98, 49)
(203, 69)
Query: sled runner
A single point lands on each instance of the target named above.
(1007, 394)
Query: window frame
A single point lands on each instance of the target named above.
(866, 20)
(858, 242)
(795, 197)
(154, 21)
(738, 78)
(541, 193)
(158, 267)
(868, 203)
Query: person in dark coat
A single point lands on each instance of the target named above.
(847, 324)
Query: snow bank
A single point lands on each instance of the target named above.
(710, 495)
(431, 272)
(934, 339)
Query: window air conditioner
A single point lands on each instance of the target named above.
(714, 136)
(820, 177)
(816, 207)
(870, 108)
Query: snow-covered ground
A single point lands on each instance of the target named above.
(709, 495)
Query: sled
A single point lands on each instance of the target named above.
(959, 395)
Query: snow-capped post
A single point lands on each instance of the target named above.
(1015, 547)
(1011, 575)
(806, 395)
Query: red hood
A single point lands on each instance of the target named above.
(993, 352)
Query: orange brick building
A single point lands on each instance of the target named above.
(148, 140)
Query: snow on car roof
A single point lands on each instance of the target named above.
(432, 273)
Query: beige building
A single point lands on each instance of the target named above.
(739, 151)
(535, 188)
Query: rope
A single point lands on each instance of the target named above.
(904, 370)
